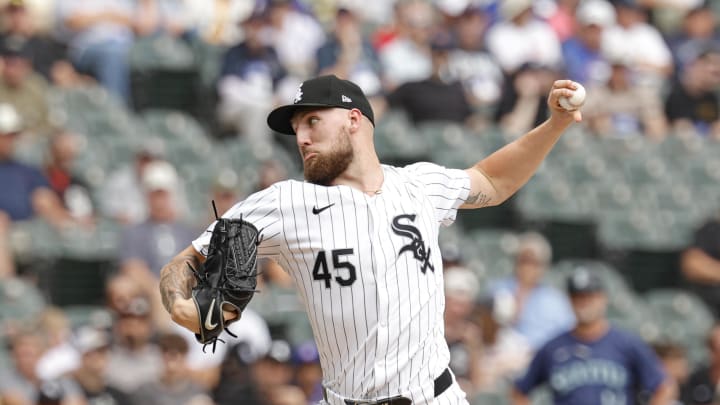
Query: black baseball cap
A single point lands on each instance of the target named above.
(582, 280)
(324, 91)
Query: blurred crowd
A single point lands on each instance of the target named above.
(651, 69)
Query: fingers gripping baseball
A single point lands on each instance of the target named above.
(566, 98)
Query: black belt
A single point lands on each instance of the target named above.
(442, 383)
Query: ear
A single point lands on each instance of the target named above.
(355, 120)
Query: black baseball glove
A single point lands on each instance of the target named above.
(227, 279)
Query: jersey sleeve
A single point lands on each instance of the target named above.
(646, 365)
(446, 188)
(536, 373)
(260, 209)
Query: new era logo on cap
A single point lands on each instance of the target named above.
(321, 92)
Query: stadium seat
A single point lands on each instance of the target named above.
(543, 200)
(683, 315)
(631, 229)
(19, 300)
(83, 315)
(163, 53)
(622, 149)
(490, 252)
(490, 398)
(644, 169)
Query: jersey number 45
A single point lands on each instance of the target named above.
(322, 273)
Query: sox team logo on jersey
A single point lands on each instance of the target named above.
(416, 245)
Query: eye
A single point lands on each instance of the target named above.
(313, 120)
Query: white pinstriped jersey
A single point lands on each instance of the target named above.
(369, 272)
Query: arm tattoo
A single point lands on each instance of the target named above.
(177, 280)
(480, 199)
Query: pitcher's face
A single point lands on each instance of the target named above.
(323, 140)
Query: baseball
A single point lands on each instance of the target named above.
(575, 101)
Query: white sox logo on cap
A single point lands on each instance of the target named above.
(298, 95)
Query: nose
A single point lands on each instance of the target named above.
(302, 137)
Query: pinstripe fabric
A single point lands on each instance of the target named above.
(369, 272)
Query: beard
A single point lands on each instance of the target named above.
(326, 167)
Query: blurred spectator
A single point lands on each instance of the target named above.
(250, 75)
(19, 31)
(594, 363)
(583, 54)
(134, 359)
(26, 192)
(436, 98)
(22, 385)
(174, 385)
(523, 104)
(146, 247)
(100, 35)
(702, 385)
(296, 37)
(273, 370)
(59, 357)
(93, 346)
(461, 290)
(542, 311)
(699, 32)
(25, 90)
(271, 171)
(348, 55)
(120, 291)
(74, 193)
(171, 17)
(217, 21)
(470, 62)
(7, 262)
(520, 38)
(235, 380)
(405, 55)
(641, 43)
(675, 364)
(308, 374)
(123, 197)
(286, 395)
(563, 20)
(700, 264)
(693, 105)
(503, 353)
(205, 366)
(160, 237)
(621, 108)
(227, 190)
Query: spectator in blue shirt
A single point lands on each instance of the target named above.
(583, 54)
(25, 191)
(542, 310)
(250, 78)
(594, 363)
